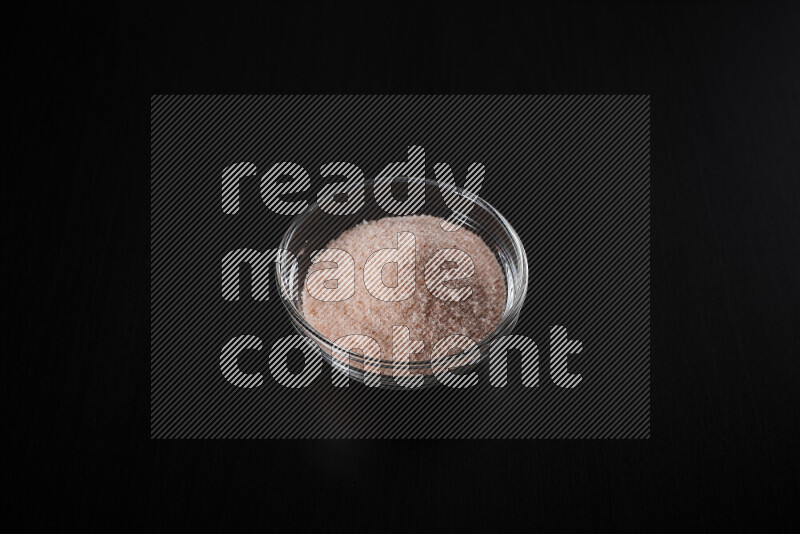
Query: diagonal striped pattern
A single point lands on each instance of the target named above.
(413, 168)
(468, 353)
(368, 348)
(498, 360)
(459, 203)
(446, 267)
(352, 190)
(399, 284)
(570, 173)
(403, 347)
(332, 267)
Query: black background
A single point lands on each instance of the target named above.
(725, 88)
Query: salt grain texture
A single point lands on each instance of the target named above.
(428, 318)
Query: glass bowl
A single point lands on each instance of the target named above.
(314, 228)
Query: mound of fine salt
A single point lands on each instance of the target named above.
(427, 317)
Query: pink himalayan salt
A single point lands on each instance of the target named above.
(428, 318)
